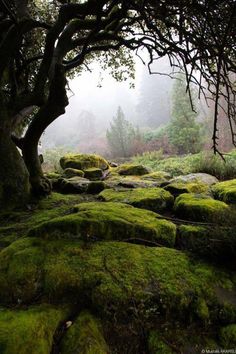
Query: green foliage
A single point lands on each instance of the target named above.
(122, 135)
(216, 166)
(202, 162)
(184, 132)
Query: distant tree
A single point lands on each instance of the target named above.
(184, 131)
(122, 135)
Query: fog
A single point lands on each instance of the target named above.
(94, 98)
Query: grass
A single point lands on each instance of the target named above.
(204, 162)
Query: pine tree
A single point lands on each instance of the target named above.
(184, 131)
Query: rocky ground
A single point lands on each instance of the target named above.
(120, 259)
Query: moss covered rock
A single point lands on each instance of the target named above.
(96, 187)
(30, 330)
(132, 170)
(200, 207)
(85, 336)
(109, 221)
(72, 172)
(72, 185)
(155, 199)
(215, 243)
(93, 173)
(178, 188)
(114, 277)
(83, 162)
(228, 336)
(225, 191)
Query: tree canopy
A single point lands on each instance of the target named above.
(42, 43)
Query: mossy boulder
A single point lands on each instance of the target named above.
(29, 330)
(93, 173)
(108, 221)
(132, 170)
(84, 336)
(52, 175)
(215, 243)
(83, 161)
(72, 185)
(200, 207)
(155, 199)
(225, 191)
(177, 188)
(114, 277)
(72, 172)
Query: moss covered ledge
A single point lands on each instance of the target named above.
(97, 221)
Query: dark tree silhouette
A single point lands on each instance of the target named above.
(42, 42)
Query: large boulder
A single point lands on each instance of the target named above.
(109, 221)
(225, 191)
(132, 170)
(83, 162)
(200, 207)
(155, 199)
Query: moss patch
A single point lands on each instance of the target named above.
(155, 199)
(228, 336)
(225, 191)
(129, 170)
(156, 344)
(83, 162)
(199, 207)
(85, 336)
(30, 330)
(110, 221)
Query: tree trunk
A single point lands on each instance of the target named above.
(14, 177)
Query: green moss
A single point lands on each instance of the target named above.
(225, 191)
(202, 310)
(215, 243)
(72, 172)
(159, 176)
(30, 330)
(155, 199)
(113, 277)
(83, 162)
(179, 188)
(136, 170)
(228, 336)
(52, 175)
(156, 345)
(109, 221)
(199, 207)
(84, 336)
(93, 173)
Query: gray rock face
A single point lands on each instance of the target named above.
(195, 177)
